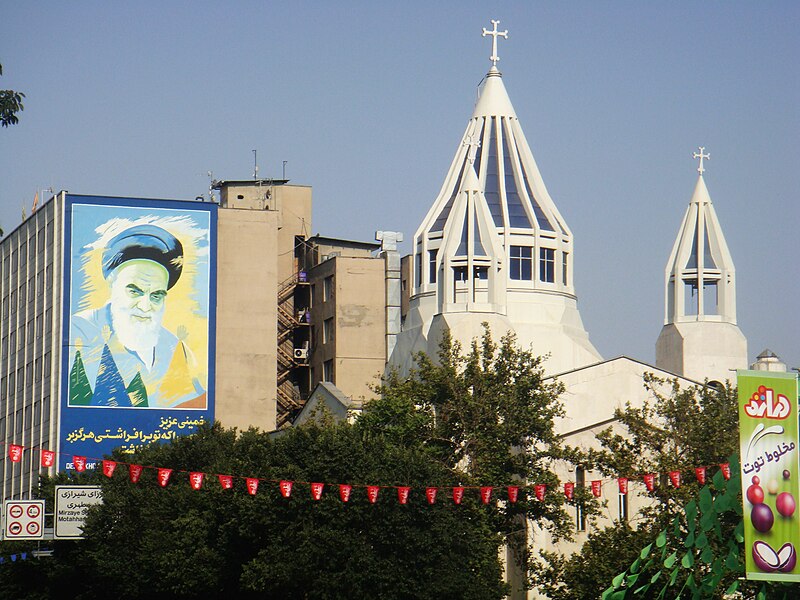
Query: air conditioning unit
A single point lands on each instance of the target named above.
(301, 353)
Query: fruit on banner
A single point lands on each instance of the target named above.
(762, 518)
(768, 560)
(786, 474)
(785, 504)
(755, 494)
(772, 487)
(755, 480)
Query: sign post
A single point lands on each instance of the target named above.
(72, 505)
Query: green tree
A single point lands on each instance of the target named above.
(10, 105)
(146, 541)
(488, 417)
(678, 429)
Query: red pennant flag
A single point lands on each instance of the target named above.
(345, 491)
(700, 473)
(569, 490)
(597, 489)
(650, 481)
(372, 493)
(430, 494)
(458, 494)
(48, 458)
(726, 470)
(316, 490)
(226, 481)
(252, 485)
(539, 489)
(675, 478)
(108, 467)
(623, 485)
(134, 472)
(286, 488)
(402, 494)
(196, 480)
(486, 494)
(513, 493)
(79, 462)
(15, 452)
(163, 477)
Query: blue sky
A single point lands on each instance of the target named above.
(367, 102)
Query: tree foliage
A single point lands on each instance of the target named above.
(177, 542)
(677, 429)
(10, 105)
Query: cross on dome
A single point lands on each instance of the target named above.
(472, 147)
(494, 33)
(701, 156)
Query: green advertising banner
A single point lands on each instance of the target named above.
(768, 437)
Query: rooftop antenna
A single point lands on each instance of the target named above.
(255, 165)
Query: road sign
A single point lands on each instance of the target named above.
(72, 505)
(23, 520)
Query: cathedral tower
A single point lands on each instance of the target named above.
(700, 338)
(494, 248)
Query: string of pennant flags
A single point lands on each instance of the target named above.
(197, 479)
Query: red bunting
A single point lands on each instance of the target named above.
(486, 494)
(458, 494)
(513, 493)
(15, 452)
(163, 477)
(726, 470)
(650, 481)
(108, 467)
(700, 473)
(623, 485)
(48, 458)
(286, 488)
(252, 485)
(539, 489)
(316, 490)
(372, 493)
(134, 472)
(344, 491)
(430, 494)
(79, 462)
(402, 494)
(597, 489)
(196, 480)
(569, 490)
(675, 478)
(226, 481)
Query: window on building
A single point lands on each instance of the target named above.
(327, 371)
(521, 263)
(460, 273)
(580, 515)
(327, 330)
(432, 266)
(623, 508)
(480, 273)
(565, 268)
(547, 265)
(418, 268)
(327, 288)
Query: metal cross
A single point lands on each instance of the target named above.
(472, 148)
(494, 33)
(701, 156)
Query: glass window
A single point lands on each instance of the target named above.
(623, 508)
(327, 288)
(432, 266)
(327, 330)
(460, 273)
(565, 268)
(521, 263)
(418, 268)
(480, 273)
(327, 371)
(580, 483)
(547, 264)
